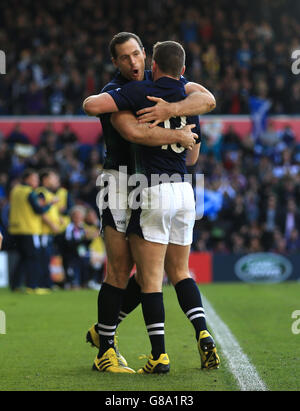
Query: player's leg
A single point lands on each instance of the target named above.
(188, 294)
(149, 258)
(110, 296)
(119, 266)
(176, 266)
(190, 301)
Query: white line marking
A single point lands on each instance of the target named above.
(239, 364)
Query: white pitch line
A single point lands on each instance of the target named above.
(239, 364)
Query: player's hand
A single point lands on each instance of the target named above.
(1, 239)
(187, 137)
(158, 114)
(55, 200)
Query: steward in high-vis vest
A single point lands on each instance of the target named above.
(52, 222)
(25, 225)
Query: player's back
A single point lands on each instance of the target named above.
(166, 159)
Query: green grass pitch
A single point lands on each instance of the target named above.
(44, 346)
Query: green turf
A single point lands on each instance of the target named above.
(260, 318)
(44, 348)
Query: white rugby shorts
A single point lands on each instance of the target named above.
(166, 214)
(112, 199)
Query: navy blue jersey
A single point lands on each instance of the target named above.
(158, 160)
(117, 148)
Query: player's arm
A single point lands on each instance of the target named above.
(199, 101)
(1, 239)
(192, 155)
(99, 104)
(34, 201)
(128, 126)
(54, 227)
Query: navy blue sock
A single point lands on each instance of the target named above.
(190, 301)
(110, 300)
(154, 316)
(132, 298)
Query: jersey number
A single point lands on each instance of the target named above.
(175, 147)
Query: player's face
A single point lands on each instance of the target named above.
(130, 60)
(33, 180)
(54, 181)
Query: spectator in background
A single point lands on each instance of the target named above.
(67, 136)
(25, 225)
(17, 136)
(287, 136)
(289, 219)
(5, 157)
(76, 248)
(96, 250)
(51, 223)
(269, 219)
(293, 242)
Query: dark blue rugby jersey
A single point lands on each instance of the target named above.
(117, 148)
(158, 160)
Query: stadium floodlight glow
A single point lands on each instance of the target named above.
(2, 62)
(296, 62)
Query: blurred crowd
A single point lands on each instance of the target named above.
(252, 192)
(252, 186)
(71, 250)
(57, 52)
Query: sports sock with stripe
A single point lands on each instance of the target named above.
(190, 301)
(110, 300)
(132, 298)
(154, 316)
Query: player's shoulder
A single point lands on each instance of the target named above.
(183, 80)
(112, 85)
(116, 82)
(137, 86)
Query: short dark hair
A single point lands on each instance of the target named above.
(45, 172)
(27, 173)
(170, 57)
(121, 38)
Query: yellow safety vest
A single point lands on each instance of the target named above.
(22, 218)
(62, 194)
(52, 214)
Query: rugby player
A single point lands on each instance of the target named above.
(128, 55)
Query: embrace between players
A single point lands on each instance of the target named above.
(151, 127)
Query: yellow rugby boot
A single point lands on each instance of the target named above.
(92, 337)
(159, 366)
(208, 352)
(109, 363)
